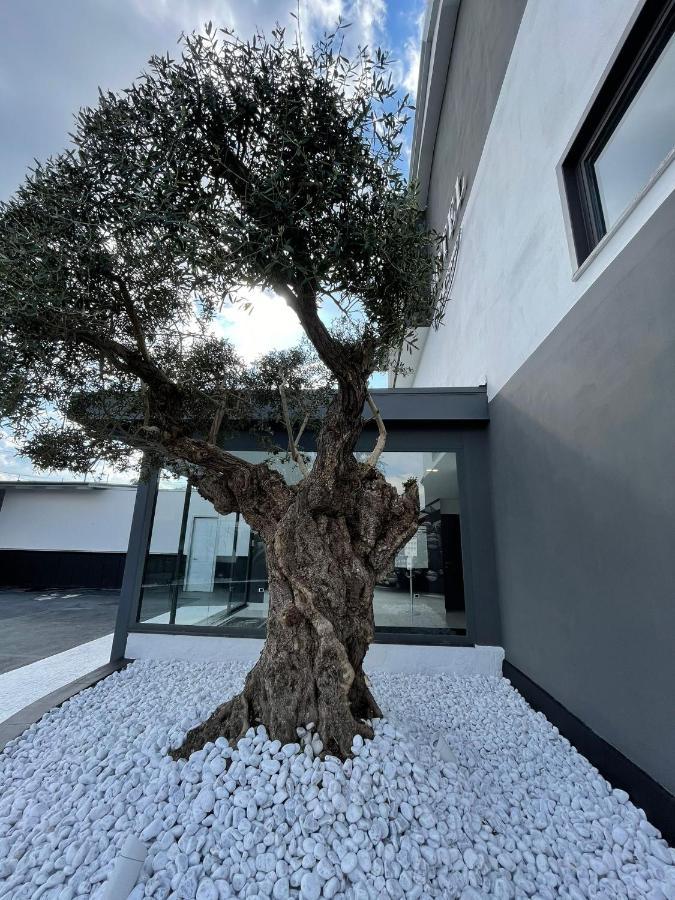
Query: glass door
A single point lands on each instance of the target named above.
(202, 554)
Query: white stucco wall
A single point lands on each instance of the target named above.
(383, 657)
(514, 279)
(67, 519)
(166, 524)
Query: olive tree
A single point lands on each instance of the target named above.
(237, 164)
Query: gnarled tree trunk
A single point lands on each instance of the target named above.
(327, 541)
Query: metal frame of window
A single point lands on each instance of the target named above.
(644, 44)
(452, 420)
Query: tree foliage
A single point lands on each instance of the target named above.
(237, 164)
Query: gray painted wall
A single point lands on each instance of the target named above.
(484, 37)
(583, 475)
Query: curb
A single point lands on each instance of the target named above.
(17, 723)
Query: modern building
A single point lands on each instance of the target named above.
(543, 147)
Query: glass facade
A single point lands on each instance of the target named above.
(208, 570)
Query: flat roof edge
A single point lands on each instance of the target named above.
(477, 389)
(66, 485)
(429, 405)
(435, 52)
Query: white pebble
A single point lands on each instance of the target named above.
(310, 886)
(348, 863)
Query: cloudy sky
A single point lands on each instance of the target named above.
(55, 54)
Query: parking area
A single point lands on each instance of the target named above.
(39, 624)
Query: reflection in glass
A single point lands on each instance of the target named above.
(208, 570)
(202, 568)
(424, 587)
(641, 141)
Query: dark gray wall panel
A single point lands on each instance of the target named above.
(38, 570)
(484, 37)
(583, 472)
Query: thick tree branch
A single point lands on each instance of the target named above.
(122, 357)
(133, 316)
(332, 354)
(382, 433)
(206, 455)
(402, 525)
(233, 484)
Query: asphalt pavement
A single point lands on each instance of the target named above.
(38, 624)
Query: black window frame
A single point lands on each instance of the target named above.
(653, 28)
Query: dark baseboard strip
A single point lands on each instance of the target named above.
(16, 724)
(657, 802)
(60, 569)
(423, 637)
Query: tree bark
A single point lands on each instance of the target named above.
(324, 554)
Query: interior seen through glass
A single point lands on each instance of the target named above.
(204, 569)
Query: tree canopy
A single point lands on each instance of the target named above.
(236, 164)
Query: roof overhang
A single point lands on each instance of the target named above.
(437, 40)
(422, 405)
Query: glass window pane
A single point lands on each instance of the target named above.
(221, 587)
(202, 569)
(424, 589)
(641, 141)
(162, 559)
(208, 570)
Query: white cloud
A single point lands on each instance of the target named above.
(315, 15)
(366, 20)
(186, 14)
(369, 18)
(319, 16)
(411, 53)
(411, 61)
(268, 325)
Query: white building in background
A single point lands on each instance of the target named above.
(76, 534)
(64, 534)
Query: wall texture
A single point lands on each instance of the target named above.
(88, 520)
(484, 36)
(514, 271)
(580, 372)
(583, 477)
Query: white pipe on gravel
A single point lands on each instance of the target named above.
(126, 870)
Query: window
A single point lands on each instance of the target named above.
(207, 570)
(629, 132)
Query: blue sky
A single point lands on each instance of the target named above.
(54, 55)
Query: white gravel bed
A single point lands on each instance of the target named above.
(499, 806)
